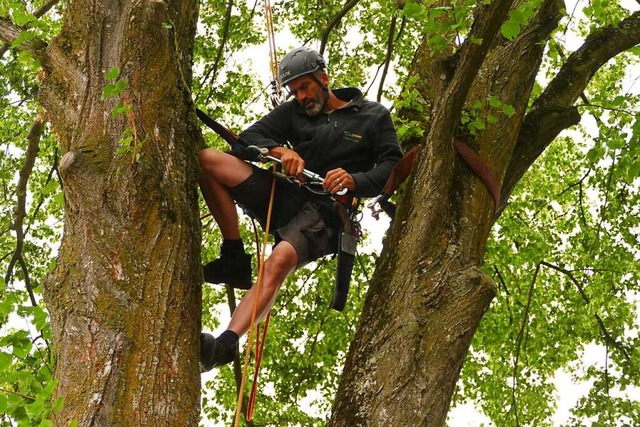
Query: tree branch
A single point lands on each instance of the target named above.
(38, 14)
(457, 73)
(468, 59)
(554, 111)
(606, 335)
(33, 147)
(223, 41)
(9, 32)
(523, 326)
(334, 22)
(387, 58)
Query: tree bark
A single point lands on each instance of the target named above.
(125, 296)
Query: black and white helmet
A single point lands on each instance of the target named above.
(298, 62)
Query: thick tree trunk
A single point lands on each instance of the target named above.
(125, 296)
(429, 292)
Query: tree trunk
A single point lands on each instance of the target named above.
(125, 296)
(429, 292)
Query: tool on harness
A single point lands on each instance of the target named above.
(262, 154)
(347, 245)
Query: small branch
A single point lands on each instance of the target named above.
(554, 110)
(27, 281)
(216, 63)
(523, 326)
(24, 396)
(33, 147)
(503, 284)
(334, 22)
(38, 14)
(54, 168)
(387, 59)
(607, 336)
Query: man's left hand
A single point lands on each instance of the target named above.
(338, 179)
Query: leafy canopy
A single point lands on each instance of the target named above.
(564, 253)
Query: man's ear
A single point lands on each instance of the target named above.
(324, 78)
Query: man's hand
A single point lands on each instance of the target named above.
(292, 163)
(338, 179)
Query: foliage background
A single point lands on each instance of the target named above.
(564, 252)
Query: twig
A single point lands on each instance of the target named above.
(54, 167)
(607, 336)
(523, 325)
(387, 59)
(503, 284)
(334, 22)
(38, 14)
(15, 393)
(216, 63)
(33, 147)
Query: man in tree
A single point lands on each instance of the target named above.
(335, 133)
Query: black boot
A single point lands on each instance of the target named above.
(217, 352)
(233, 267)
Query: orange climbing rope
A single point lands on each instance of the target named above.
(259, 344)
(256, 297)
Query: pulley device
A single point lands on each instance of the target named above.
(313, 179)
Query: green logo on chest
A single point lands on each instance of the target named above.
(353, 137)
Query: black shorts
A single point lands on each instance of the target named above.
(305, 224)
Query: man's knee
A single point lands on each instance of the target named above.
(209, 158)
(223, 167)
(282, 261)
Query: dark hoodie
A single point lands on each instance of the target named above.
(360, 138)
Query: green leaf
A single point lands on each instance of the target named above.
(120, 108)
(510, 29)
(508, 110)
(35, 409)
(58, 404)
(414, 10)
(25, 57)
(633, 172)
(22, 37)
(21, 346)
(478, 124)
(4, 404)
(494, 102)
(5, 360)
(112, 74)
(22, 19)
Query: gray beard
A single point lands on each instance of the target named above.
(317, 109)
(314, 111)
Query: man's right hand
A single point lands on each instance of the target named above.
(292, 163)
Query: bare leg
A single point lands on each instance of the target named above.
(221, 171)
(282, 261)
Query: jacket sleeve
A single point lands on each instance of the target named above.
(271, 130)
(386, 153)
